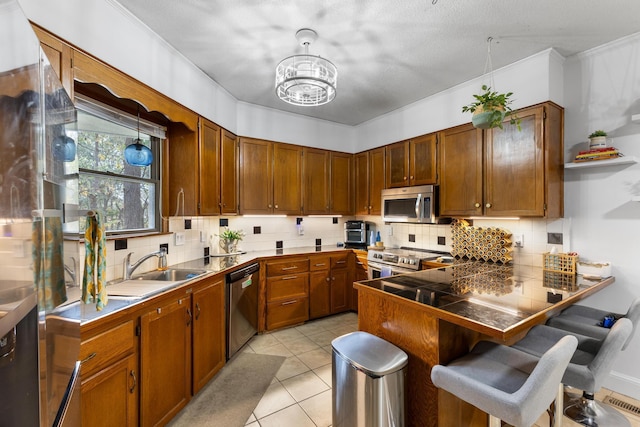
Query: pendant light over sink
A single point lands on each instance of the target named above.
(138, 154)
(306, 80)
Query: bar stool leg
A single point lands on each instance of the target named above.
(588, 412)
(494, 421)
(555, 410)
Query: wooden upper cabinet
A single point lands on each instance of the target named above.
(524, 169)
(256, 176)
(182, 171)
(397, 156)
(369, 181)
(229, 173)
(422, 160)
(287, 179)
(505, 172)
(209, 179)
(316, 172)
(341, 183)
(412, 162)
(461, 171)
(60, 57)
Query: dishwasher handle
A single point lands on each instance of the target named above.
(247, 271)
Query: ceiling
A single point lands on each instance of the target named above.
(389, 53)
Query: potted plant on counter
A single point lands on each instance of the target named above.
(490, 108)
(229, 240)
(598, 139)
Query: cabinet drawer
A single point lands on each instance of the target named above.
(340, 261)
(290, 286)
(287, 267)
(107, 347)
(319, 263)
(289, 312)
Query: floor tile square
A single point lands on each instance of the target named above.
(260, 342)
(275, 398)
(323, 338)
(319, 408)
(315, 358)
(304, 386)
(287, 335)
(291, 367)
(275, 350)
(311, 328)
(325, 373)
(301, 345)
(293, 416)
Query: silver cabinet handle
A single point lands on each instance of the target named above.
(289, 302)
(293, 267)
(197, 311)
(89, 357)
(289, 277)
(132, 373)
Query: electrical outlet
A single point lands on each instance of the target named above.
(180, 239)
(518, 240)
(389, 230)
(164, 246)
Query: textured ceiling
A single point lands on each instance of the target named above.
(389, 53)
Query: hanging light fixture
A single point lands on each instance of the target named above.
(138, 154)
(306, 80)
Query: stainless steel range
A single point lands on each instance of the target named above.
(390, 262)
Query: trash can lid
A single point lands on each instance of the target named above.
(369, 353)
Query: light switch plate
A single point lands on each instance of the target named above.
(179, 239)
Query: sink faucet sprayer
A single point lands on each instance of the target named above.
(129, 268)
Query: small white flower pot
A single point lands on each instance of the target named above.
(597, 142)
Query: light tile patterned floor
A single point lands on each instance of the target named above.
(300, 394)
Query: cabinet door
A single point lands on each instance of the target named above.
(60, 56)
(341, 184)
(165, 361)
(361, 173)
(183, 167)
(514, 175)
(287, 179)
(316, 181)
(208, 332)
(340, 289)
(422, 155)
(461, 171)
(209, 152)
(256, 176)
(110, 397)
(377, 178)
(397, 164)
(229, 154)
(319, 294)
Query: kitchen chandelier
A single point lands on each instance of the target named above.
(138, 154)
(306, 80)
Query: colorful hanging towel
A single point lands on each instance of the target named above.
(95, 262)
(48, 265)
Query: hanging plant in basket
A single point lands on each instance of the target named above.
(490, 109)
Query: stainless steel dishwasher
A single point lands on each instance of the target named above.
(242, 307)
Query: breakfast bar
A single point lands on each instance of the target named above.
(438, 315)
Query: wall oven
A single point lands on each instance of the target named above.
(410, 204)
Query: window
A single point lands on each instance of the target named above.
(126, 196)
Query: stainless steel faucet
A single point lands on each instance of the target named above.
(129, 268)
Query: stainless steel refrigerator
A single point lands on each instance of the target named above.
(38, 177)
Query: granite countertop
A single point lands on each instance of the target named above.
(73, 309)
(492, 295)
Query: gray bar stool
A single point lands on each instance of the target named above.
(588, 321)
(506, 383)
(589, 366)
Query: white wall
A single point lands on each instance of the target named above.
(602, 91)
(532, 80)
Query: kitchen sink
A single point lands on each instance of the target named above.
(80, 311)
(9, 296)
(170, 275)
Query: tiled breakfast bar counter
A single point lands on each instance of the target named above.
(438, 315)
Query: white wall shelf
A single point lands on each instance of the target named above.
(626, 160)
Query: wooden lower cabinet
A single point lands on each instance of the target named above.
(361, 272)
(109, 376)
(329, 285)
(208, 332)
(165, 360)
(287, 292)
(110, 397)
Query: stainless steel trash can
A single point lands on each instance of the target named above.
(368, 382)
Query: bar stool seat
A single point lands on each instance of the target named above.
(588, 321)
(589, 366)
(504, 382)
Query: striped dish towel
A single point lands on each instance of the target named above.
(95, 263)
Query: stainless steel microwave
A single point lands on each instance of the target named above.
(410, 204)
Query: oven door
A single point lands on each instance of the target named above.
(376, 270)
